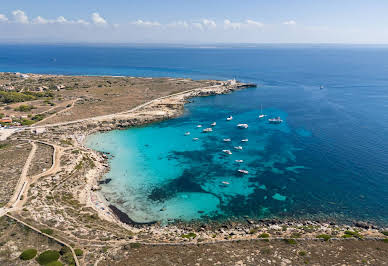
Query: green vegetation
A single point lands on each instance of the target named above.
(189, 235)
(28, 254)
(324, 237)
(47, 257)
(47, 231)
(78, 252)
(135, 245)
(56, 263)
(385, 240)
(290, 241)
(24, 108)
(263, 235)
(38, 117)
(68, 258)
(3, 145)
(66, 142)
(302, 253)
(64, 250)
(349, 234)
(385, 233)
(253, 231)
(15, 97)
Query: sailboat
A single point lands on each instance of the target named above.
(261, 112)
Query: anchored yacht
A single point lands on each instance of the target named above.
(242, 125)
(243, 171)
(276, 120)
(229, 118)
(227, 152)
(209, 129)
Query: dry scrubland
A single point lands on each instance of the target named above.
(60, 202)
(84, 96)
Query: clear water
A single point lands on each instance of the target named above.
(329, 158)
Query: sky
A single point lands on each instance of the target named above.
(194, 21)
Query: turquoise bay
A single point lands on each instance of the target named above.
(329, 159)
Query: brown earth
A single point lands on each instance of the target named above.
(349, 252)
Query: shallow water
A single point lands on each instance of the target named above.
(329, 157)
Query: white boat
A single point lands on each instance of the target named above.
(187, 133)
(213, 124)
(239, 161)
(209, 129)
(261, 112)
(195, 139)
(229, 118)
(199, 126)
(225, 183)
(242, 125)
(227, 152)
(227, 140)
(238, 148)
(243, 171)
(244, 140)
(276, 120)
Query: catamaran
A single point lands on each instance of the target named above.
(261, 112)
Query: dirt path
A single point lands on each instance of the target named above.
(64, 110)
(54, 168)
(21, 185)
(111, 116)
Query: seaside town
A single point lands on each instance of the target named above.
(50, 184)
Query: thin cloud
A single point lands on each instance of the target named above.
(231, 25)
(290, 22)
(20, 17)
(98, 20)
(140, 22)
(254, 23)
(3, 18)
(208, 23)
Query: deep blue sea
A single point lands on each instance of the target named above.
(328, 159)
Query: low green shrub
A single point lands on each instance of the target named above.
(48, 256)
(385, 233)
(28, 254)
(263, 235)
(324, 237)
(189, 235)
(78, 252)
(349, 233)
(56, 263)
(135, 245)
(290, 241)
(47, 231)
(302, 253)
